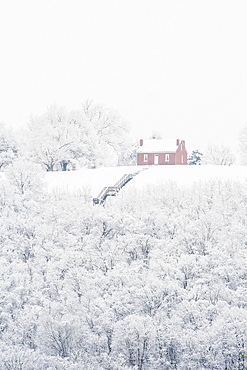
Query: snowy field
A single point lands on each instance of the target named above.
(187, 175)
(90, 180)
(93, 180)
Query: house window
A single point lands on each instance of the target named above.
(182, 159)
(167, 157)
(145, 157)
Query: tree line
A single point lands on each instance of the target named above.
(92, 136)
(59, 139)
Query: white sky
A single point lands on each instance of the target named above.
(174, 66)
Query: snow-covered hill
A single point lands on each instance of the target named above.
(187, 175)
(93, 180)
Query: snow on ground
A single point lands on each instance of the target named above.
(94, 180)
(90, 180)
(187, 175)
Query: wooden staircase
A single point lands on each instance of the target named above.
(113, 190)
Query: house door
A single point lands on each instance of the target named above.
(156, 159)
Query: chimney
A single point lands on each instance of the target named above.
(177, 142)
(141, 142)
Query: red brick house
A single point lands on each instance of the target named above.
(162, 152)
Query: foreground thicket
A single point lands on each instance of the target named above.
(154, 280)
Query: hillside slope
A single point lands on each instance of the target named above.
(93, 180)
(187, 175)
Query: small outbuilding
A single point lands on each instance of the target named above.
(161, 152)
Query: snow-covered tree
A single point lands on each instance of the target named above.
(220, 155)
(134, 338)
(113, 142)
(51, 139)
(8, 150)
(25, 176)
(90, 137)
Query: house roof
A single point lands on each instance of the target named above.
(158, 146)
